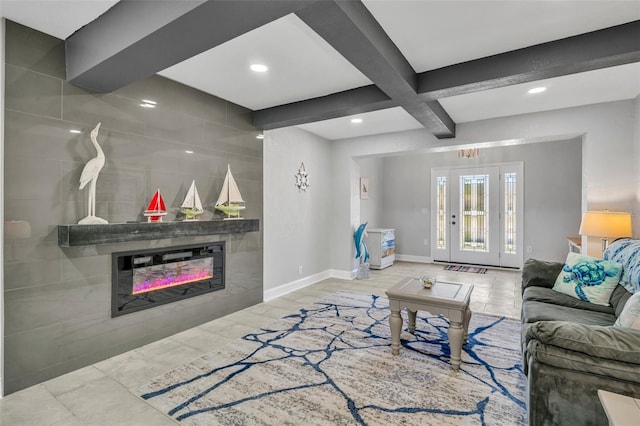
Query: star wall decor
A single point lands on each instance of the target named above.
(302, 178)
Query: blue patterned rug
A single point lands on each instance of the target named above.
(331, 364)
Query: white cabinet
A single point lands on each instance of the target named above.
(381, 243)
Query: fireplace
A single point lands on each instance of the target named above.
(147, 278)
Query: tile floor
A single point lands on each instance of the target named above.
(101, 394)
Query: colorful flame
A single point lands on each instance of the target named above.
(170, 281)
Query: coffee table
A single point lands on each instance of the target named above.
(445, 298)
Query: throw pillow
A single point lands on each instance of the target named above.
(630, 315)
(588, 278)
(627, 252)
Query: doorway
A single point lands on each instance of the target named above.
(477, 215)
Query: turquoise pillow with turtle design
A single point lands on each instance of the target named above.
(630, 315)
(588, 278)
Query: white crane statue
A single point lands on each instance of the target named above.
(90, 175)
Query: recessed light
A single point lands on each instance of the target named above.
(259, 68)
(188, 151)
(260, 136)
(146, 105)
(147, 101)
(75, 131)
(537, 90)
(356, 120)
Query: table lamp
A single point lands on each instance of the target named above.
(606, 225)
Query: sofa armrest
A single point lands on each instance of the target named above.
(617, 343)
(540, 273)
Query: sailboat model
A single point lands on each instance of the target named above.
(192, 206)
(230, 201)
(156, 208)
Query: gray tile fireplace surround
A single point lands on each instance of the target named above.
(57, 300)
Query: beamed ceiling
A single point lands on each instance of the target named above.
(422, 61)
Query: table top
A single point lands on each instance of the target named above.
(442, 293)
(621, 410)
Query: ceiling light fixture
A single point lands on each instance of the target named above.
(356, 120)
(537, 90)
(259, 68)
(75, 131)
(188, 151)
(260, 136)
(468, 153)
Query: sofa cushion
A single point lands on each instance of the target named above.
(547, 295)
(612, 343)
(630, 316)
(618, 299)
(533, 311)
(627, 252)
(588, 278)
(540, 273)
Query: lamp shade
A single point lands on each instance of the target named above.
(606, 224)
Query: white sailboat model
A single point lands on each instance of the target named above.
(192, 206)
(230, 201)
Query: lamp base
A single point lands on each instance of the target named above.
(605, 244)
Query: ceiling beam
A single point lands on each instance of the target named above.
(608, 47)
(341, 104)
(136, 39)
(351, 29)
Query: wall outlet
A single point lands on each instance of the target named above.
(300, 270)
(529, 249)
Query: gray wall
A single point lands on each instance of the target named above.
(371, 210)
(552, 194)
(609, 174)
(296, 222)
(57, 301)
(2, 23)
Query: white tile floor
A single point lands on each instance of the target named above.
(101, 394)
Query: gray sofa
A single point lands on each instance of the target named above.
(571, 349)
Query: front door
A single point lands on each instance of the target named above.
(476, 215)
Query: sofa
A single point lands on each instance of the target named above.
(571, 347)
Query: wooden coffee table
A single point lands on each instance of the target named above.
(445, 298)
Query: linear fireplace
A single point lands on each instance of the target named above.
(147, 278)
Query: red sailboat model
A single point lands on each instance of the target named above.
(156, 208)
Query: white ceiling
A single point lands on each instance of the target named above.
(301, 66)
(430, 34)
(433, 34)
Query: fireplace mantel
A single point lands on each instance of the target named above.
(81, 235)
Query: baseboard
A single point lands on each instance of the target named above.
(342, 275)
(412, 258)
(283, 289)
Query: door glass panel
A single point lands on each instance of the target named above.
(510, 213)
(474, 202)
(441, 212)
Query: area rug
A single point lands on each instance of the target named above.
(460, 268)
(331, 364)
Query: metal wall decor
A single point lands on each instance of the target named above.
(302, 178)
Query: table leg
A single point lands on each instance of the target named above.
(412, 320)
(456, 334)
(395, 324)
(465, 324)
